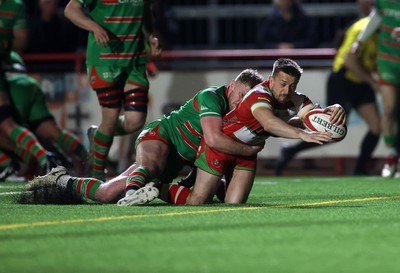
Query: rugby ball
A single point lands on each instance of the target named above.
(318, 120)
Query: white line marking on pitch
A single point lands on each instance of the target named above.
(10, 193)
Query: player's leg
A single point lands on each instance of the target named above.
(89, 188)
(15, 154)
(204, 188)
(109, 92)
(42, 122)
(151, 156)
(19, 135)
(368, 112)
(25, 139)
(63, 138)
(135, 101)
(240, 186)
(240, 180)
(211, 166)
(389, 128)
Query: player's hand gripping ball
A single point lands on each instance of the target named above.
(318, 120)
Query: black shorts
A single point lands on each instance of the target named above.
(347, 93)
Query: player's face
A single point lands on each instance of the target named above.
(237, 92)
(282, 86)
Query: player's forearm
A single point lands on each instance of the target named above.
(353, 64)
(279, 128)
(225, 144)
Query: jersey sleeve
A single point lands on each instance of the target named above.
(257, 98)
(303, 104)
(210, 103)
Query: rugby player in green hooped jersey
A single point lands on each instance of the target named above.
(166, 145)
(116, 59)
(13, 36)
(29, 108)
(386, 17)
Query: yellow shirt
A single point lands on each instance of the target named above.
(368, 50)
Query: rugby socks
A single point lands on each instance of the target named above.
(86, 187)
(390, 142)
(22, 154)
(178, 194)
(5, 160)
(368, 146)
(136, 180)
(70, 143)
(101, 148)
(27, 140)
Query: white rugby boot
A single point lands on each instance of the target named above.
(140, 197)
(390, 167)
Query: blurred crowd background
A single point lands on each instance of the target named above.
(213, 24)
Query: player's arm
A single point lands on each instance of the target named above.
(149, 31)
(280, 128)
(74, 12)
(352, 63)
(216, 139)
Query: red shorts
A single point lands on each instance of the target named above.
(218, 163)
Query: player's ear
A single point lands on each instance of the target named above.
(232, 84)
(270, 79)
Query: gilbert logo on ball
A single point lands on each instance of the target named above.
(318, 120)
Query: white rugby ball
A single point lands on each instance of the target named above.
(318, 120)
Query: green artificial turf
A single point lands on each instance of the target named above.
(306, 224)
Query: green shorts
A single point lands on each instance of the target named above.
(388, 70)
(105, 76)
(174, 163)
(218, 163)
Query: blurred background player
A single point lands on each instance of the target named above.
(351, 84)
(386, 18)
(120, 36)
(14, 36)
(29, 109)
